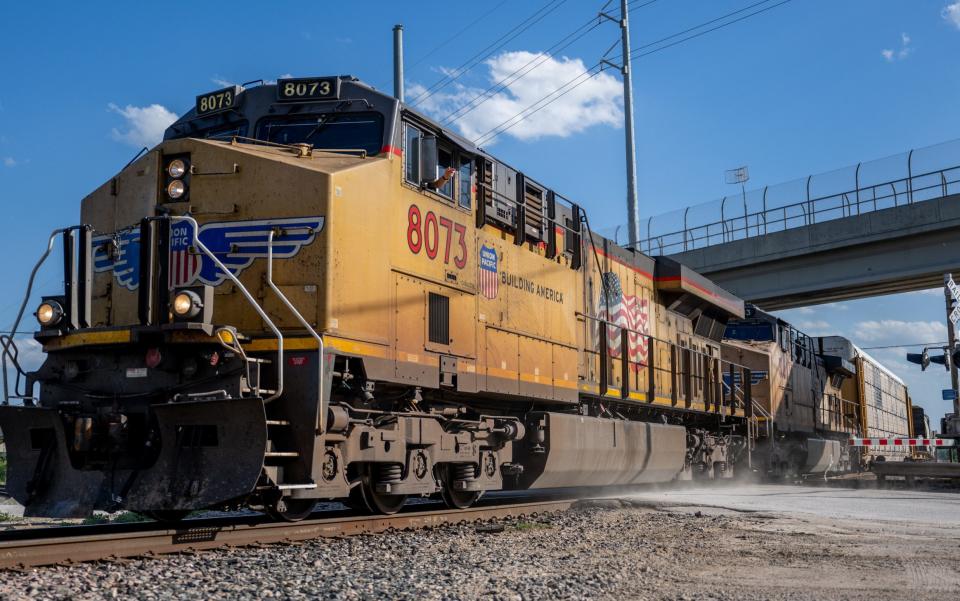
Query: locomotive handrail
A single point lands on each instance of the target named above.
(647, 364)
(246, 293)
(503, 198)
(321, 398)
(7, 340)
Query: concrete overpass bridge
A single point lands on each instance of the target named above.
(877, 236)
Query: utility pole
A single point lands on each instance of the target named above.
(951, 336)
(633, 212)
(398, 62)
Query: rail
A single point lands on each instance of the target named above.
(10, 351)
(321, 399)
(915, 176)
(799, 214)
(195, 235)
(694, 376)
(68, 544)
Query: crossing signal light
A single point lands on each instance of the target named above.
(943, 359)
(922, 359)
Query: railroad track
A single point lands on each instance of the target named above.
(71, 544)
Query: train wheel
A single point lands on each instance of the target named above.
(167, 516)
(377, 502)
(291, 510)
(458, 499)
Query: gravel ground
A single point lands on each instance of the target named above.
(600, 550)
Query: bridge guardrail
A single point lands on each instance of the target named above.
(776, 208)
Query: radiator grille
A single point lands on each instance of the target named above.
(438, 328)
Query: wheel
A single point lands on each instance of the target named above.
(167, 516)
(373, 501)
(291, 510)
(458, 499)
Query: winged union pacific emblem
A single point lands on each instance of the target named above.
(119, 252)
(235, 243)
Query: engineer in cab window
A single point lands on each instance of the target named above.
(444, 183)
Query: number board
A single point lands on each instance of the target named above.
(310, 88)
(217, 101)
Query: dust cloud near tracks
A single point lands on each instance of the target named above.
(609, 549)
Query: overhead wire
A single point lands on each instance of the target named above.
(569, 86)
(458, 34)
(539, 60)
(521, 72)
(488, 51)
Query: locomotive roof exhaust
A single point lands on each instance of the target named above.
(398, 62)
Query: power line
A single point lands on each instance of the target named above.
(540, 59)
(458, 34)
(638, 54)
(694, 28)
(497, 131)
(520, 73)
(874, 348)
(482, 55)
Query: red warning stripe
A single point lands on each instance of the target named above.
(902, 442)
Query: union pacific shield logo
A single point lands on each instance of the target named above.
(184, 263)
(488, 272)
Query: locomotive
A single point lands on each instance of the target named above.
(812, 394)
(308, 290)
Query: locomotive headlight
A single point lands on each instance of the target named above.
(49, 313)
(176, 168)
(187, 304)
(176, 188)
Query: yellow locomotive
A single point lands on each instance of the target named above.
(310, 291)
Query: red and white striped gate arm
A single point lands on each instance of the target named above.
(903, 442)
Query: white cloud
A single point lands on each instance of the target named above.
(223, 83)
(146, 124)
(951, 14)
(904, 51)
(895, 331)
(816, 327)
(597, 101)
(929, 292)
(9, 162)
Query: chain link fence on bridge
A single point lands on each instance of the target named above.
(914, 176)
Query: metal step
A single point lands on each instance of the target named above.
(279, 454)
(306, 485)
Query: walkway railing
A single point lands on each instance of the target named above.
(760, 212)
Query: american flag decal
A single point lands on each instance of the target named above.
(184, 261)
(625, 311)
(488, 272)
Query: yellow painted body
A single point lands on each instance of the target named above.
(366, 279)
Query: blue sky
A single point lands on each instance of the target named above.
(807, 87)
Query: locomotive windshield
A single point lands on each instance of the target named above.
(749, 331)
(360, 131)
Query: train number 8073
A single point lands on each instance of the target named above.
(423, 233)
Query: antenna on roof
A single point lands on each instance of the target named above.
(398, 62)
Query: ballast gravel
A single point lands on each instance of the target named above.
(610, 549)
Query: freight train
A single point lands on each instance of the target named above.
(309, 291)
(812, 394)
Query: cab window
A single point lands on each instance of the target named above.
(332, 131)
(444, 162)
(466, 182)
(411, 154)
